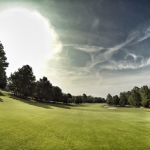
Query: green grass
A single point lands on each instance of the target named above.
(26, 125)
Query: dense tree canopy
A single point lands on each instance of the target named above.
(84, 97)
(78, 99)
(145, 96)
(123, 99)
(44, 89)
(3, 66)
(57, 94)
(22, 81)
(115, 100)
(127, 96)
(134, 98)
(65, 98)
(109, 99)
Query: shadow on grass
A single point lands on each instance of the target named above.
(1, 94)
(40, 104)
(1, 100)
(129, 106)
(81, 105)
(31, 102)
(60, 105)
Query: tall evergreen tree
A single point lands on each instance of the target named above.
(127, 96)
(44, 89)
(21, 81)
(26, 79)
(14, 83)
(84, 98)
(78, 99)
(115, 100)
(109, 99)
(145, 96)
(135, 98)
(65, 98)
(123, 99)
(3, 66)
(57, 94)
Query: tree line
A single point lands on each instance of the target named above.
(23, 84)
(136, 97)
(3, 65)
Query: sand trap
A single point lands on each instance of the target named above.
(112, 108)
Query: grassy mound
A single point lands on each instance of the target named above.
(26, 124)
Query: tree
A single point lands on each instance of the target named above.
(14, 83)
(137, 89)
(134, 98)
(115, 100)
(65, 98)
(26, 79)
(127, 96)
(123, 99)
(90, 99)
(44, 89)
(3, 66)
(84, 98)
(109, 99)
(103, 100)
(69, 95)
(57, 93)
(69, 98)
(145, 96)
(21, 82)
(78, 100)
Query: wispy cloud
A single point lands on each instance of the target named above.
(140, 33)
(98, 48)
(104, 54)
(137, 35)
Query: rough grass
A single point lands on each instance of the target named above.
(30, 125)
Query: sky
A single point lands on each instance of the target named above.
(93, 47)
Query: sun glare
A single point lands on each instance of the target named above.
(27, 37)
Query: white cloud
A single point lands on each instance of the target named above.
(131, 54)
(92, 78)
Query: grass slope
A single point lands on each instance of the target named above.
(31, 125)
